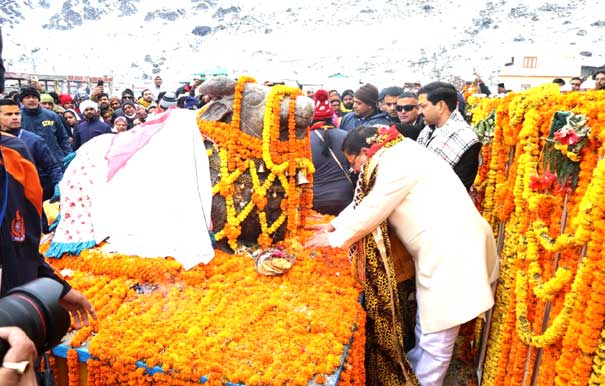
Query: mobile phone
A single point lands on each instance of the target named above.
(100, 82)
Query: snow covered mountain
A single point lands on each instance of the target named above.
(381, 41)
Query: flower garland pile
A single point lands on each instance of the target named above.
(237, 152)
(552, 255)
(219, 322)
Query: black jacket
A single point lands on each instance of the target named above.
(20, 229)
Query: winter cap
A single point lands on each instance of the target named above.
(347, 92)
(127, 91)
(47, 98)
(168, 100)
(323, 108)
(368, 94)
(128, 102)
(88, 104)
(28, 91)
(64, 98)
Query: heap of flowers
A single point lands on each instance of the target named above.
(545, 199)
(240, 152)
(222, 322)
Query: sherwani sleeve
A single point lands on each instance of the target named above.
(393, 183)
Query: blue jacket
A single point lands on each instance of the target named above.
(48, 125)
(86, 130)
(20, 229)
(49, 169)
(351, 121)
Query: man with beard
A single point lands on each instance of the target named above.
(347, 101)
(365, 110)
(599, 79)
(103, 101)
(91, 126)
(146, 98)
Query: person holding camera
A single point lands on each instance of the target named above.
(20, 229)
(18, 365)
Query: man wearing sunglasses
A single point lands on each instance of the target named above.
(407, 109)
(411, 122)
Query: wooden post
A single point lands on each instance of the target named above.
(534, 377)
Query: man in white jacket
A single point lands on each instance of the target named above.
(453, 247)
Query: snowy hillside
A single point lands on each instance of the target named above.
(381, 41)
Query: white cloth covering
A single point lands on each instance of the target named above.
(158, 204)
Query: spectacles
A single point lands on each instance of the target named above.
(406, 108)
(127, 97)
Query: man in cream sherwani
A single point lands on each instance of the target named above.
(453, 247)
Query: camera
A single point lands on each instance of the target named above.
(34, 307)
(100, 82)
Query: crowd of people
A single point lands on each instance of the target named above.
(400, 159)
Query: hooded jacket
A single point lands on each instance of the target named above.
(351, 120)
(48, 125)
(20, 229)
(49, 169)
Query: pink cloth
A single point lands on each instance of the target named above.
(126, 144)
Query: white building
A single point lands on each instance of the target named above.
(532, 66)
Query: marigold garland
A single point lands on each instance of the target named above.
(282, 159)
(533, 239)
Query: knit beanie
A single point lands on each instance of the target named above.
(28, 91)
(46, 98)
(347, 92)
(368, 94)
(127, 91)
(128, 102)
(65, 98)
(168, 100)
(323, 108)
